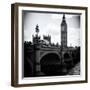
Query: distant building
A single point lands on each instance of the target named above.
(37, 39)
(64, 32)
(47, 39)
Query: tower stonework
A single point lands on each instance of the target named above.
(63, 32)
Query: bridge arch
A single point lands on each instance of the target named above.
(51, 52)
(49, 62)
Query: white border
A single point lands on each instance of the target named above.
(52, 78)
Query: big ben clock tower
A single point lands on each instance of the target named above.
(63, 32)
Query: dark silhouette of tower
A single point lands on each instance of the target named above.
(63, 32)
(36, 38)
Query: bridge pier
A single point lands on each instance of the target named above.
(37, 62)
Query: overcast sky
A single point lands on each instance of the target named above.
(51, 24)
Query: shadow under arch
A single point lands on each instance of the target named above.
(50, 64)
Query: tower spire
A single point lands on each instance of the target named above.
(37, 29)
(63, 19)
(63, 16)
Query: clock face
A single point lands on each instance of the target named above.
(63, 28)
